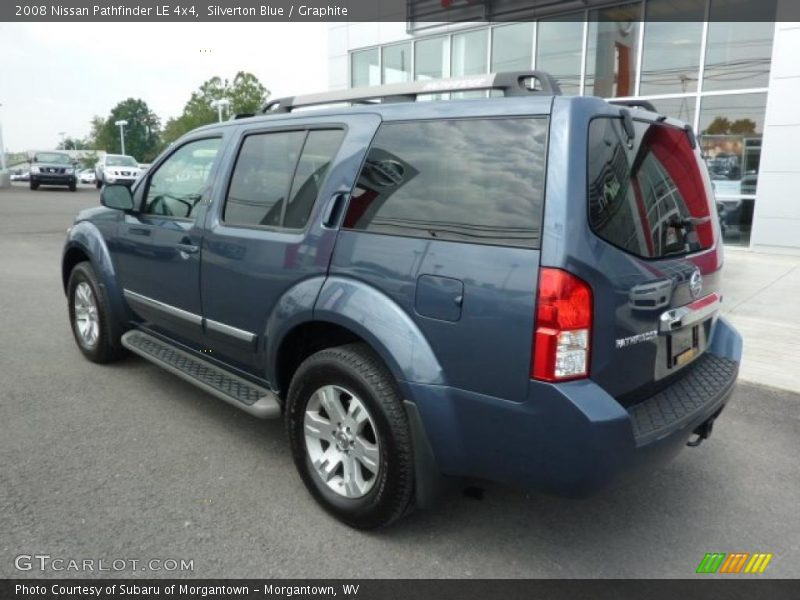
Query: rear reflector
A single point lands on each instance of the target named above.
(563, 327)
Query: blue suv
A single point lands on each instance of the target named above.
(524, 289)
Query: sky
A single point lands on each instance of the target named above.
(54, 77)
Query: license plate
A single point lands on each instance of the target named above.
(683, 346)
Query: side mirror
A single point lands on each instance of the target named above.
(117, 196)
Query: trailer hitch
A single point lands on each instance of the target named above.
(703, 432)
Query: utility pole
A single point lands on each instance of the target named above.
(5, 178)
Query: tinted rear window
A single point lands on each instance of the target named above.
(473, 180)
(647, 197)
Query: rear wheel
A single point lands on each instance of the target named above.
(350, 436)
(90, 316)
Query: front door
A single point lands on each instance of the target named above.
(158, 254)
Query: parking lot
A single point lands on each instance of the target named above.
(127, 461)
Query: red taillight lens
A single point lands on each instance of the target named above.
(563, 327)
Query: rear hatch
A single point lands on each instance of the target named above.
(656, 258)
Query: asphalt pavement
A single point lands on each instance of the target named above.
(129, 462)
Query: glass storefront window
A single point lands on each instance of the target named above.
(731, 128)
(469, 53)
(430, 58)
(738, 55)
(677, 108)
(611, 51)
(739, 51)
(559, 45)
(671, 50)
(397, 63)
(512, 47)
(365, 68)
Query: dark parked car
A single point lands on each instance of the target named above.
(524, 289)
(52, 168)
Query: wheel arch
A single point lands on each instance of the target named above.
(85, 242)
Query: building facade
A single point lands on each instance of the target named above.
(735, 82)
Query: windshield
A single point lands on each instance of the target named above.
(121, 161)
(52, 157)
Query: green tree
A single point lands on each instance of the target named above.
(142, 133)
(719, 126)
(245, 93)
(743, 126)
(70, 143)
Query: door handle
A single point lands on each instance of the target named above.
(333, 210)
(187, 247)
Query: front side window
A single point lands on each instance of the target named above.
(478, 181)
(647, 195)
(177, 186)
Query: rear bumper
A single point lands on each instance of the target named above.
(573, 438)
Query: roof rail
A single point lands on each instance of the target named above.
(513, 83)
(645, 104)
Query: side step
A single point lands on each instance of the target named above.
(235, 390)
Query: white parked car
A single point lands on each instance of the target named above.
(87, 176)
(116, 168)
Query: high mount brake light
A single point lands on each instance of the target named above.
(563, 333)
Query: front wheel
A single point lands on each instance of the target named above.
(90, 316)
(34, 186)
(350, 436)
(98, 184)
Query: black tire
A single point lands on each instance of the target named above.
(107, 348)
(98, 183)
(357, 368)
(34, 186)
(73, 187)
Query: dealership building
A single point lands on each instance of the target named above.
(736, 82)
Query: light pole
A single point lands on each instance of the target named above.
(219, 105)
(62, 135)
(5, 179)
(121, 124)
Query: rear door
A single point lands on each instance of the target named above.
(654, 261)
(265, 233)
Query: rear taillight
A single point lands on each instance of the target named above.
(563, 327)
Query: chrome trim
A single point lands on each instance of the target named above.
(239, 334)
(686, 315)
(168, 309)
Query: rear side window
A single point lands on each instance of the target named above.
(474, 180)
(278, 176)
(647, 196)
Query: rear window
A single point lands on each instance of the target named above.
(474, 180)
(647, 196)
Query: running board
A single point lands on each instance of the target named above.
(235, 390)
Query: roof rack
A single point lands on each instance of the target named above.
(645, 104)
(513, 83)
